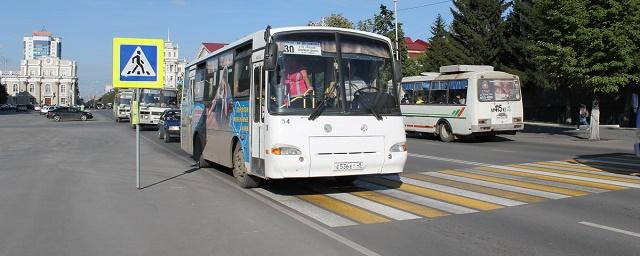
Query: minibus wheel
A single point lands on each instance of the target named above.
(444, 130)
(244, 179)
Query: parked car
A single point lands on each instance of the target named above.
(21, 107)
(45, 109)
(4, 107)
(36, 107)
(169, 125)
(66, 113)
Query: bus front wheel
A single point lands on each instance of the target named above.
(243, 179)
(445, 132)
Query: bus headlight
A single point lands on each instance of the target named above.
(286, 151)
(399, 147)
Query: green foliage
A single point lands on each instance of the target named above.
(444, 50)
(108, 97)
(478, 26)
(334, 20)
(384, 24)
(3, 94)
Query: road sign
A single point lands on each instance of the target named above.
(138, 63)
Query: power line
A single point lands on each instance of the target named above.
(424, 5)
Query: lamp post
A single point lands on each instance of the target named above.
(395, 15)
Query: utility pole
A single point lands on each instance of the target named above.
(395, 15)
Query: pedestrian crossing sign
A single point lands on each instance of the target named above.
(138, 63)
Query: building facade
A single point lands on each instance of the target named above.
(173, 66)
(44, 78)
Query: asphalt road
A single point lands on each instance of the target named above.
(69, 189)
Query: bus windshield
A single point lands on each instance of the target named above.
(169, 99)
(498, 90)
(125, 101)
(310, 70)
(150, 98)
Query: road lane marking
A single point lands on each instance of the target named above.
(599, 175)
(617, 230)
(478, 188)
(363, 203)
(552, 189)
(548, 176)
(344, 209)
(503, 150)
(435, 194)
(400, 204)
(569, 165)
(321, 215)
(447, 159)
(539, 181)
(457, 191)
(406, 196)
(598, 182)
(526, 191)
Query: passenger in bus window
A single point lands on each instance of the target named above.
(297, 79)
(420, 100)
(459, 100)
(405, 99)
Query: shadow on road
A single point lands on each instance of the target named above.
(171, 178)
(619, 163)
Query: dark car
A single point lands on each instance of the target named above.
(169, 125)
(22, 107)
(67, 113)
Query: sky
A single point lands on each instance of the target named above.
(87, 27)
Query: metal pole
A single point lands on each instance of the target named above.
(138, 141)
(395, 14)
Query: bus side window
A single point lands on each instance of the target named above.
(408, 94)
(439, 92)
(420, 95)
(458, 92)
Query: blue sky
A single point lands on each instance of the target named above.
(88, 27)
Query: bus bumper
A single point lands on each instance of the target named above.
(498, 128)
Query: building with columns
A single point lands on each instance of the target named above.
(44, 78)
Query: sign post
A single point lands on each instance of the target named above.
(138, 63)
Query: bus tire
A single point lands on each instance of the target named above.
(445, 132)
(243, 179)
(198, 155)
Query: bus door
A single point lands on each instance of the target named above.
(257, 120)
(186, 120)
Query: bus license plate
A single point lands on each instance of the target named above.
(346, 166)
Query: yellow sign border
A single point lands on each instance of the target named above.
(159, 43)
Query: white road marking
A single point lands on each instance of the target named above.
(373, 206)
(617, 183)
(503, 150)
(617, 230)
(460, 192)
(582, 171)
(447, 159)
(497, 185)
(447, 207)
(538, 181)
(321, 215)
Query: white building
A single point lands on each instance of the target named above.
(43, 77)
(173, 66)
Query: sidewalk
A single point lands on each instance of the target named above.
(606, 126)
(614, 138)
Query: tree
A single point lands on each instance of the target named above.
(384, 24)
(478, 27)
(334, 20)
(108, 97)
(365, 25)
(3, 93)
(444, 50)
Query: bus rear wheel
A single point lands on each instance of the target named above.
(445, 132)
(244, 179)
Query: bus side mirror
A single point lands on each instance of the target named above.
(270, 54)
(397, 70)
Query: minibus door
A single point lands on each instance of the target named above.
(257, 120)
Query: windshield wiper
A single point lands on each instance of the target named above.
(373, 109)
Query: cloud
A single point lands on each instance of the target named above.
(178, 2)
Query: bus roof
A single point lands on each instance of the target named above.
(258, 38)
(456, 76)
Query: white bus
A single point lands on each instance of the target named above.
(273, 105)
(462, 100)
(152, 103)
(122, 104)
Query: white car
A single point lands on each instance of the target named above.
(45, 109)
(37, 107)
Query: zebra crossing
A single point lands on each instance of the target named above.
(410, 196)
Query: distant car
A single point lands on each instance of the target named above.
(36, 107)
(22, 107)
(66, 113)
(4, 107)
(45, 109)
(169, 125)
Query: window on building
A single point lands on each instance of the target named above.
(41, 48)
(63, 88)
(32, 88)
(15, 88)
(62, 100)
(47, 88)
